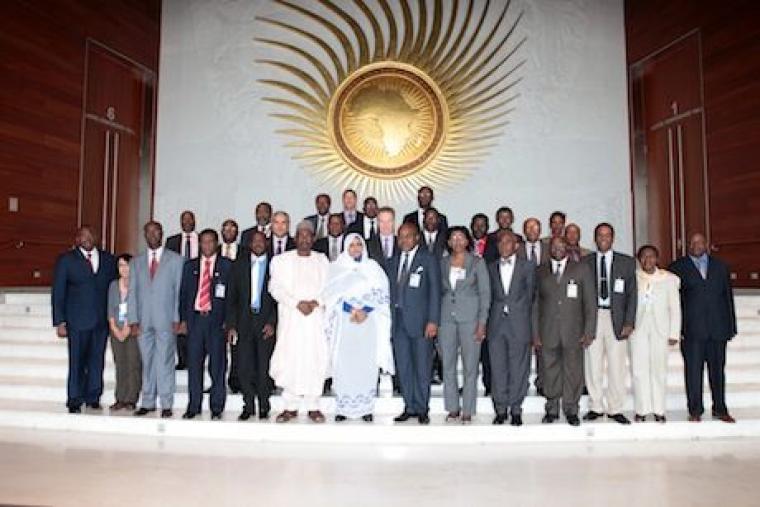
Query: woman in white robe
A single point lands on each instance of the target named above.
(358, 323)
(658, 324)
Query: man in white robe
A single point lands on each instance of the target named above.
(300, 359)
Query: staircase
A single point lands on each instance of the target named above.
(33, 369)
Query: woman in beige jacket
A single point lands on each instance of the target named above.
(658, 324)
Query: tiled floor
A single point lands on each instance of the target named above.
(61, 468)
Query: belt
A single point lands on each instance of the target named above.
(602, 307)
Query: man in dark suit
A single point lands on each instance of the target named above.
(425, 201)
(433, 238)
(263, 215)
(367, 226)
(280, 241)
(320, 218)
(202, 305)
(504, 220)
(510, 329)
(229, 247)
(350, 214)
(186, 242)
(415, 287)
(385, 245)
(251, 323)
(709, 321)
(332, 245)
(617, 297)
(479, 230)
(79, 298)
(564, 322)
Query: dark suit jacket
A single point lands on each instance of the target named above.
(622, 306)
(375, 249)
(290, 244)
(313, 220)
(522, 252)
(439, 246)
(422, 304)
(413, 218)
(174, 243)
(191, 273)
(322, 245)
(518, 322)
(79, 297)
(707, 305)
(558, 318)
(239, 314)
(492, 246)
(245, 236)
(359, 218)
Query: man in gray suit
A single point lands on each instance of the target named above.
(564, 321)
(509, 328)
(616, 297)
(153, 314)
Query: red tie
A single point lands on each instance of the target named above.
(204, 296)
(153, 266)
(89, 259)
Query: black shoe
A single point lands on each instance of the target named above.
(549, 418)
(641, 418)
(340, 418)
(592, 416)
(619, 418)
(573, 420)
(264, 415)
(94, 406)
(516, 420)
(244, 416)
(405, 416)
(75, 410)
(180, 366)
(216, 416)
(659, 418)
(368, 418)
(500, 419)
(144, 411)
(187, 415)
(166, 413)
(424, 419)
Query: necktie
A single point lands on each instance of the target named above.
(256, 289)
(227, 248)
(372, 230)
(89, 260)
(557, 271)
(187, 246)
(204, 297)
(279, 247)
(321, 229)
(604, 290)
(404, 268)
(387, 247)
(533, 253)
(153, 266)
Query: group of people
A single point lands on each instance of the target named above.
(351, 297)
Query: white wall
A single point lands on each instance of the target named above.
(566, 147)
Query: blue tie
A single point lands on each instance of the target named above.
(256, 291)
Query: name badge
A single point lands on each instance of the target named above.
(122, 311)
(414, 280)
(461, 275)
(572, 290)
(619, 286)
(219, 291)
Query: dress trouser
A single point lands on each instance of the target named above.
(253, 355)
(454, 337)
(485, 360)
(126, 359)
(205, 337)
(562, 362)
(649, 362)
(87, 349)
(695, 354)
(157, 351)
(606, 347)
(414, 360)
(510, 369)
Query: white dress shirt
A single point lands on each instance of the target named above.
(229, 250)
(430, 238)
(94, 256)
(561, 264)
(321, 221)
(193, 236)
(158, 251)
(506, 269)
(368, 222)
(607, 256)
(529, 248)
(455, 274)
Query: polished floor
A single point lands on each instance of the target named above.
(75, 469)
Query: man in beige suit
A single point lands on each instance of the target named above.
(564, 321)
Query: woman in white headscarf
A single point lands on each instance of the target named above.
(357, 301)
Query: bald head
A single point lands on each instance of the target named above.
(532, 229)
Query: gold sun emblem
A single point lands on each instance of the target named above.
(424, 106)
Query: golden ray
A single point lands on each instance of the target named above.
(424, 106)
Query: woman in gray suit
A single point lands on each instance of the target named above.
(466, 298)
(126, 354)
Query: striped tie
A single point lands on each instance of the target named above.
(204, 297)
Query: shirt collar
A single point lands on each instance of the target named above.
(258, 258)
(509, 260)
(93, 252)
(158, 251)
